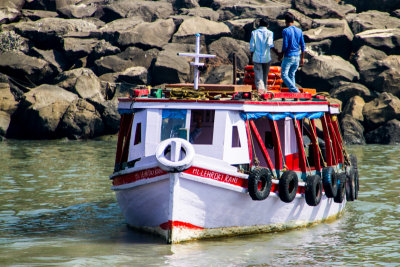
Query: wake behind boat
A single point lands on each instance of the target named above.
(201, 160)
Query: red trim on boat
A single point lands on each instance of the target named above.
(217, 176)
(139, 175)
(178, 224)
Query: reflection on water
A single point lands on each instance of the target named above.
(56, 208)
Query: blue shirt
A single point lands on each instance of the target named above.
(262, 40)
(293, 41)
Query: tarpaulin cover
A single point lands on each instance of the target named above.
(278, 116)
(174, 114)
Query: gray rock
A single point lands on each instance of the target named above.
(251, 9)
(56, 59)
(354, 108)
(148, 35)
(304, 21)
(353, 131)
(241, 28)
(112, 30)
(347, 90)
(371, 20)
(133, 75)
(75, 48)
(388, 134)
(387, 40)
(382, 5)
(326, 72)
(381, 110)
(203, 12)
(396, 13)
(8, 105)
(181, 4)
(10, 10)
(225, 47)
(365, 56)
(323, 9)
(38, 14)
(109, 114)
(220, 75)
(77, 11)
(335, 30)
(81, 121)
(210, 30)
(25, 69)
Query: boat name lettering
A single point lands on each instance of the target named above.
(222, 177)
(148, 173)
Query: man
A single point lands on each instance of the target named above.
(261, 42)
(293, 42)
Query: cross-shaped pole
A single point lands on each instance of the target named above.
(196, 62)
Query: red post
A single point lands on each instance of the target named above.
(300, 147)
(277, 144)
(249, 142)
(328, 142)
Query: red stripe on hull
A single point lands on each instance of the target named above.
(178, 224)
(139, 175)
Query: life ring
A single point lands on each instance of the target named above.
(259, 184)
(313, 192)
(341, 188)
(288, 185)
(329, 181)
(175, 155)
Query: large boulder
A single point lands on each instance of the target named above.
(365, 56)
(225, 48)
(109, 114)
(81, 121)
(148, 35)
(8, 104)
(389, 133)
(383, 75)
(75, 48)
(171, 68)
(133, 75)
(56, 59)
(112, 30)
(38, 14)
(323, 9)
(203, 12)
(336, 31)
(82, 82)
(354, 108)
(326, 72)
(25, 68)
(148, 10)
(371, 20)
(220, 75)
(241, 28)
(353, 131)
(387, 40)
(382, 5)
(47, 33)
(210, 30)
(10, 10)
(77, 11)
(381, 110)
(39, 114)
(347, 90)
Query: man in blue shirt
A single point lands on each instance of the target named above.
(293, 42)
(261, 42)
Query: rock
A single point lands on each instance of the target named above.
(39, 114)
(385, 5)
(335, 30)
(8, 104)
(148, 35)
(12, 42)
(25, 69)
(352, 131)
(250, 9)
(365, 56)
(320, 48)
(185, 4)
(112, 30)
(56, 59)
(396, 13)
(49, 5)
(77, 48)
(103, 48)
(371, 20)
(82, 82)
(325, 72)
(381, 110)
(133, 75)
(10, 10)
(225, 47)
(202, 12)
(323, 9)
(304, 21)
(354, 108)
(81, 121)
(131, 57)
(241, 28)
(171, 68)
(387, 40)
(210, 30)
(38, 14)
(109, 114)
(383, 75)
(148, 10)
(388, 134)
(47, 33)
(77, 11)
(347, 90)
(220, 75)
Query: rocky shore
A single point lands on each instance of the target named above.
(63, 63)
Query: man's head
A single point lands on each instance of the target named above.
(289, 18)
(263, 23)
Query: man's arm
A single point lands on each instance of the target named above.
(303, 49)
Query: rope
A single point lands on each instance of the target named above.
(308, 163)
(319, 148)
(330, 141)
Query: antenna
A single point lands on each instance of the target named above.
(196, 62)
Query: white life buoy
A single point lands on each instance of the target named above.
(175, 155)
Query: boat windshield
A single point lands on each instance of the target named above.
(172, 121)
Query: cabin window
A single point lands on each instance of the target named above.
(138, 134)
(235, 137)
(269, 142)
(173, 120)
(202, 127)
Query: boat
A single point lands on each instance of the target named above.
(197, 161)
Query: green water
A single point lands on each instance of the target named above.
(57, 209)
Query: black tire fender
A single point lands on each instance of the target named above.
(313, 192)
(288, 185)
(351, 185)
(259, 184)
(341, 190)
(329, 181)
